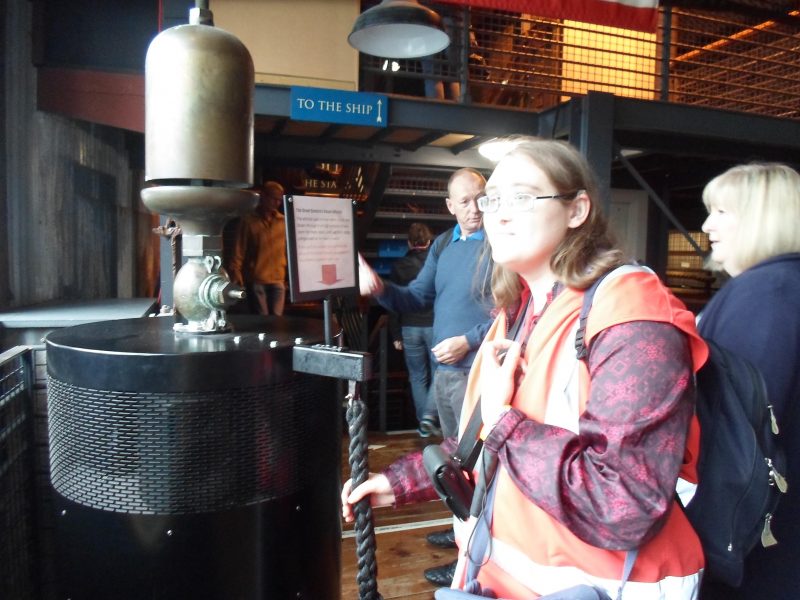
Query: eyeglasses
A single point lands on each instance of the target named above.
(519, 201)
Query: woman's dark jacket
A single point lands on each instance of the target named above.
(757, 315)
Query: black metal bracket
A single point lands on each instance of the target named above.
(332, 361)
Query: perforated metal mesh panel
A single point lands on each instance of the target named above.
(179, 452)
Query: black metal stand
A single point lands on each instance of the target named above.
(355, 367)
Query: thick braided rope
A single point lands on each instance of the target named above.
(367, 577)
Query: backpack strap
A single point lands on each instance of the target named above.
(470, 444)
(442, 242)
(581, 351)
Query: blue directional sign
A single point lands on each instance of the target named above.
(337, 106)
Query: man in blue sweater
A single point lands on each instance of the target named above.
(455, 281)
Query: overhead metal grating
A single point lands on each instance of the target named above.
(743, 60)
(735, 62)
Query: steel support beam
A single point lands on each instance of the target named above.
(468, 144)
(419, 113)
(554, 123)
(426, 139)
(657, 200)
(702, 147)
(681, 121)
(286, 149)
(666, 44)
(380, 135)
(597, 138)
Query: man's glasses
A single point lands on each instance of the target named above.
(519, 201)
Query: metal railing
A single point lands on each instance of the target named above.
(723, 60)
(18, 552)
(728, 61)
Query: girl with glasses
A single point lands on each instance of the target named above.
(581, 455)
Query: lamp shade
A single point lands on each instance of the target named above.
(398, 29)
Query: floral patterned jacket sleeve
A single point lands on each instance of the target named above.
(613, 483)
(410, 481)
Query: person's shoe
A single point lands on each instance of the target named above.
(422, 433)
(441, 576)
(429, 426)
(442, 539)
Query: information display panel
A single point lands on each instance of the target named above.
(320, 236)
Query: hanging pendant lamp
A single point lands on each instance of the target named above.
(398, 29)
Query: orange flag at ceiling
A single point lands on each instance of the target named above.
(639, 15)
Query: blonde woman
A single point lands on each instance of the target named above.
(754, 227)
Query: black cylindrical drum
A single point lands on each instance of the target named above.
(193, 466)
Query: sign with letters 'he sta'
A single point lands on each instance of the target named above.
(338, 106)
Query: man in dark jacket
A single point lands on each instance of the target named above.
(412, 332)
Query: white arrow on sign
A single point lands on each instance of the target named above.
(380, 118)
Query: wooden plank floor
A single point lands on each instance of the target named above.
(402, 552)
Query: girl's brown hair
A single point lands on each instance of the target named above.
(587, 251)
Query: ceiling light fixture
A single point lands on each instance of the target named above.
(398, 29)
